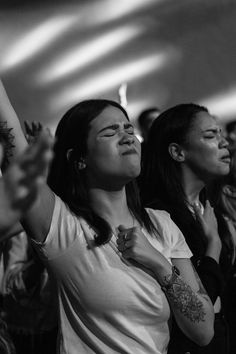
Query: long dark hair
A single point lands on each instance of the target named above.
(161, 186)
(161, 174)
(70, 183)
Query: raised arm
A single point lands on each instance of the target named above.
(37, 219)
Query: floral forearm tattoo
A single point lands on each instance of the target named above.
(184, 299)
(6, 139)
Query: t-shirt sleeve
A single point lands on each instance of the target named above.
(179, 247)
(65, 228)
(170, 236)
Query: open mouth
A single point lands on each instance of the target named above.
(226, 159)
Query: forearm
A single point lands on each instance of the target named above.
(8, 115)
(192, 309)
(211, 276)
(214, 249)
(191, 306)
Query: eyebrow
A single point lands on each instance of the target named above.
(116, 126)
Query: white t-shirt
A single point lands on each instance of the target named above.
(107, 304)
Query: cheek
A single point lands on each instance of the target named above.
(100, 155)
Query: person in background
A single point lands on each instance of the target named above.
(114, 262)
(230, 128)
(223, 193)
(185, 152)
(28, 298)
(18, 189)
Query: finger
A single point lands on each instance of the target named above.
(34, 126)
(40, 151)
(122, 237)
(123, 246)
(122, 229)
(197, 210)
(27, 127)
(127, 253)
(208, 206)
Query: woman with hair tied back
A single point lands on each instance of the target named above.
(186, 152)
(120, 269)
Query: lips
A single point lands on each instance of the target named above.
(129, 152)
(226, 158)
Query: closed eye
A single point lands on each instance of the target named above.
(110, 133)
(209, 136)
(212, 133)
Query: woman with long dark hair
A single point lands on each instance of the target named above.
(115, 263)
(186, 152)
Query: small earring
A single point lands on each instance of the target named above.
(80, 165)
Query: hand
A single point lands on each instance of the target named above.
(33, 130)
(19, 185)
(13, 279)
(133, 244)
(208, 221)
(27, 172)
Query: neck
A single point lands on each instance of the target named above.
(112, 206)
(192, 186)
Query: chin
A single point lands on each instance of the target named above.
(226, 171)
(136, 172)
(131, 175)
(221, 173)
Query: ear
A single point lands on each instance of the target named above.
(68, 154)
(176, 152)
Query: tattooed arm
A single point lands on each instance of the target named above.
(37, 219)
(189, 302)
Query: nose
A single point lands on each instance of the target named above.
(126, 139)
(223, 142)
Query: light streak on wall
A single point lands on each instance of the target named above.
(110, 10)
(34, 42)
(222, 105)
(88, 53)
(109, 79)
